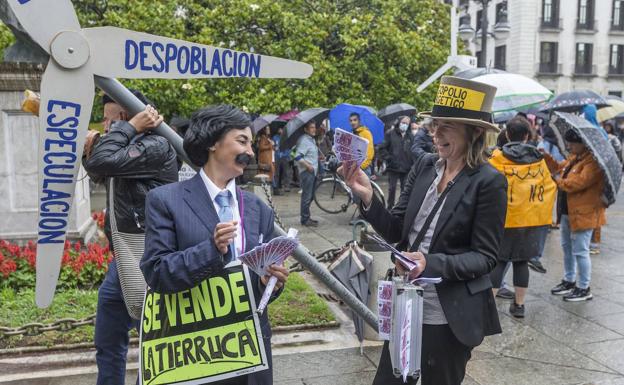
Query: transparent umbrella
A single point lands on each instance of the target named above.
(615, 108)
(514, 92)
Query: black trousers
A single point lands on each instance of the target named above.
(393, 178)
(520, 274)
(283, 173)
(443, 359)
(308, 183)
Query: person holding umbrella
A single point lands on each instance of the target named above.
(307, 160)
(580, 209)
(450, 219)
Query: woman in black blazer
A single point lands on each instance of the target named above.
(456, 239)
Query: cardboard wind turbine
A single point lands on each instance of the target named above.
(67, 92)
(461, 62)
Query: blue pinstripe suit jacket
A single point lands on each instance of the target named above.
(179, 249)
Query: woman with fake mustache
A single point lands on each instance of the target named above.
(196, 227)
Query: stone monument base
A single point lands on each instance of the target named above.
(19, 141)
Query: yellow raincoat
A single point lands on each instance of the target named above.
(531, 191)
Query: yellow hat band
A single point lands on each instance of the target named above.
(459, 97)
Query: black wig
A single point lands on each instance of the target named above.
(208, 125)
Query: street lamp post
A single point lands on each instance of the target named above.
(484, 29)
(500, 32)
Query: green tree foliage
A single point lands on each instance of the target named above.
(371, 52)
(6, 38)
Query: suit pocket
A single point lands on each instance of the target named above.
(479, 284)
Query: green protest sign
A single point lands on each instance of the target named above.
(208, 333)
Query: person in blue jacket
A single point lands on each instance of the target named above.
(195, 227)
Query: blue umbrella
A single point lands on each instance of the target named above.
(339, 118)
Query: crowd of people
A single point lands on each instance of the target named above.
(464, 210)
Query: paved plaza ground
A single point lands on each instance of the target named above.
(557, 343)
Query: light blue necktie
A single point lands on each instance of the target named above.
(226, 215)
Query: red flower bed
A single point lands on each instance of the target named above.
(82, 266)
(98, 217)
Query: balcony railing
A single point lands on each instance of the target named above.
(552, 24)
(616, 71)
(548, 69)
(585, 70)
(619, 27)
(588, 25)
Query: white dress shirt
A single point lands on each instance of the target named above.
(213, 191)
(433, 314)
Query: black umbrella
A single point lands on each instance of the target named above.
(276, 125)
(574, 101)
(354, 269)
(474, 72)
(294, 128)
(262, 121)
(599, 146)
(393, 111)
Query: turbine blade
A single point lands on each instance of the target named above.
(447, 66)
(44, 19)
(121, 53)
(454, 28)
(64, 114)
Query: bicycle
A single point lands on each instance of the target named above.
(332, 194)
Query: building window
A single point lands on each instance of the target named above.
(499, 9)
(585, 14)
(548, 58)
(479, 17)
(550, 13)
(464, 20)
(617, 21)
(500, 55)
(616, 59)
(583, 58)
(615, 93)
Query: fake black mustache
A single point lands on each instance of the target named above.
(243, 159)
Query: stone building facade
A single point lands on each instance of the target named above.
(564, 44)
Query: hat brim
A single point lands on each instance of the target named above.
(475, 122)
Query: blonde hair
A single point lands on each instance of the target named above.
(476, 151)
(477, 146)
